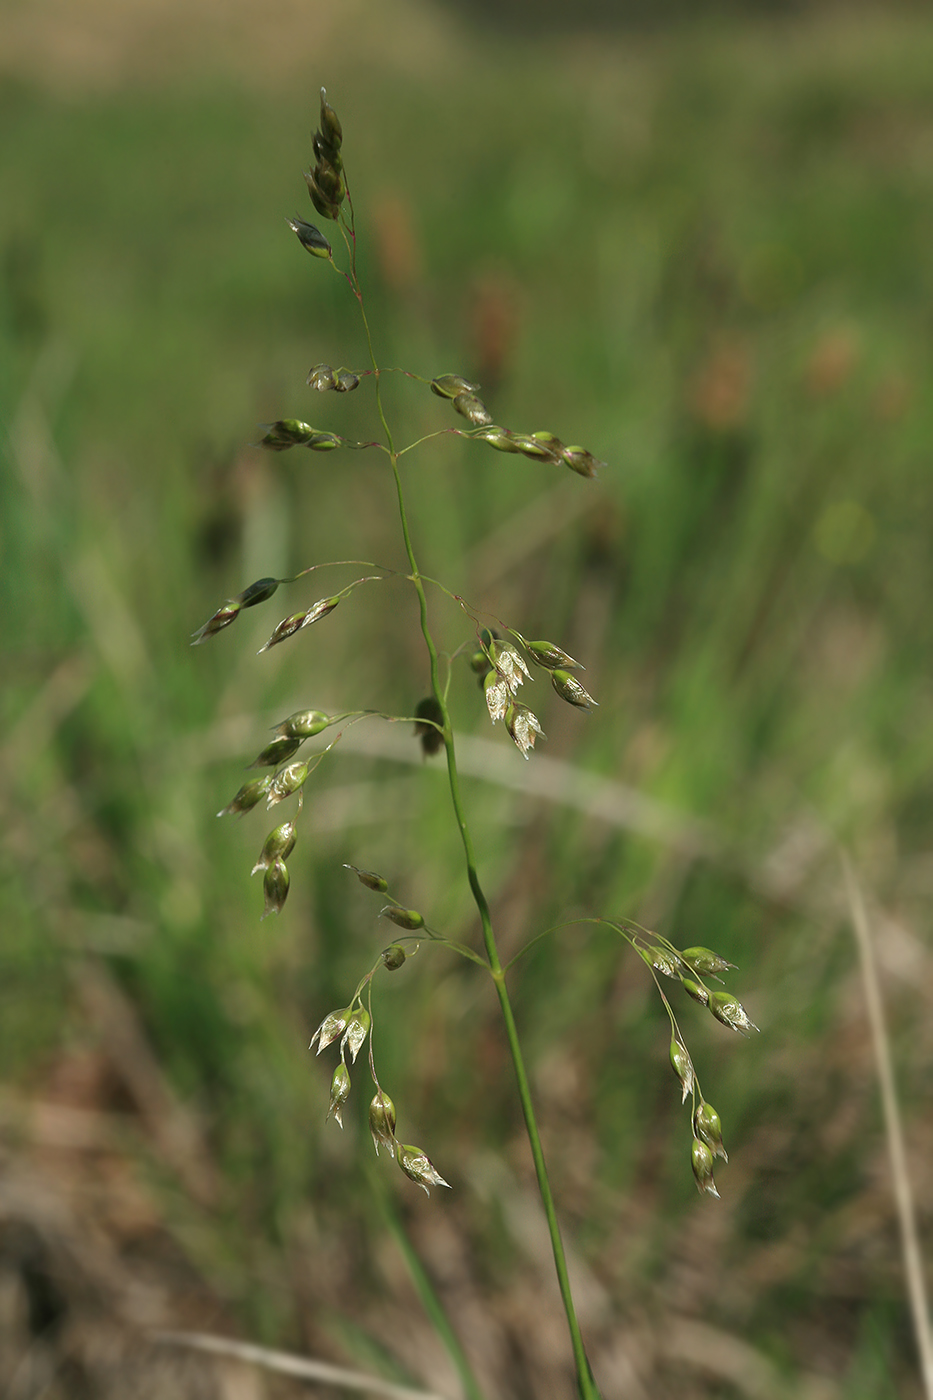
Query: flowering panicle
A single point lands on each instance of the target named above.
(502, 664)
(326, 184)
(677, 964)
(503, 669)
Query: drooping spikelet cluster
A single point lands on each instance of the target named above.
(689, 966)
(502, 663)
(353, 1025)
(502, 669)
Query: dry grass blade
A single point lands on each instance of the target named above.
(286, 1364)
(910, 1240)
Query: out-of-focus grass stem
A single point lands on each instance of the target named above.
(903, 1194)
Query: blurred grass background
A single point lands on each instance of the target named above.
(704, 251)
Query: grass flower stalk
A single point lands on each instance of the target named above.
(501, 664)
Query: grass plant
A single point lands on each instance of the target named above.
(717, 259)
(500, 658)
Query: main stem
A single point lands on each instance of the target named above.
(585, 1381)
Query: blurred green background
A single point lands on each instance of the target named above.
(704, 251)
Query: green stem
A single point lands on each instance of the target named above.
(586, 1384)
(585, 1381)
(426, 1291)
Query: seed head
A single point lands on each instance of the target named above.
(278, 750)
(227, 613)
(581, 461)
(249, 795)
(278, 845)
(664, 961)
(523, 727)
(323, 150)
(339, 1092)
(705, 962)
(394, 957)
(448, 386)
(286, 628)
(330, 1028)
(322, 378)
(326, 184)
(290, 625)
(320, 609)
(702, 1162)
(257, 592)
(730, 1012)
(682, 1066)
(327, 208)
(694, 990)
(497, 695)
(323, 442)
(405, 918)
(570, 689)
(382, 1122)
(275, 888)
(354, 1037)
(419, 1168)
(285, 782)
(708, 1127)
(553, 658)
(529, 446)
(285, 433)
(551, 441)
(330, 125)
(311, 237)
(369, 879)
(303, 724)
(329, 180)
(473, 410)
(509, 663)
(499, 438)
